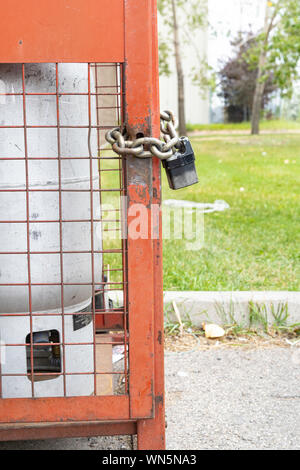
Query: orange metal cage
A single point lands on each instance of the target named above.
(31, 225)
(119, 35)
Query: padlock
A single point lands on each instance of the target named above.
(180, 168)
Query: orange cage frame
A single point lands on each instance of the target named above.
(120, 31)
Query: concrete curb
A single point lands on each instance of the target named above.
(226, 307)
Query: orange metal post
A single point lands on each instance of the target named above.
(145, 256)
(138, 119)
(151, 433)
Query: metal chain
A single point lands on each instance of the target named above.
(145, 147)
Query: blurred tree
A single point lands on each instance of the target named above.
(237, 81)
(277, 52)
(165, 50)
(290, 109)
(183, 18)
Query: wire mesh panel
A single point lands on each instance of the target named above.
(63, 273)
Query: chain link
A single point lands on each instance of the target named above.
(145, 147)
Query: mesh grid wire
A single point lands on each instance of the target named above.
(63, 302)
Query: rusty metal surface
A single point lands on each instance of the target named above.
(61, 31)
(138, 118)
(32, 431)
(39, 410)
(151, 432)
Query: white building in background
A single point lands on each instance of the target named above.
(226, 18)
(196, 106)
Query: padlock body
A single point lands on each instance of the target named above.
(181, 169)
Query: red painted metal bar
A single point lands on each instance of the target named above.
(62, 31)
(12, 432)
(151, 432)
(64, 409)
(139, 113)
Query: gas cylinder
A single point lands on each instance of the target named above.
(59, 266)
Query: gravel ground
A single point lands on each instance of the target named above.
(219, 399)
(233, 399)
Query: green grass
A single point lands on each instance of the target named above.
(254, 244)
(274, 124)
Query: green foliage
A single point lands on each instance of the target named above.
(274, 319)
(195, 11)
(237, 80)
(291, 106)
(272, 125)
(192, 17)
(229, 319)
(172, 327)
(280, 316)
(204, 77)
(164, 54)
(260, 317)
(281, 44)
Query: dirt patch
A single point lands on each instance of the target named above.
(241, 132)
(198, 342)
